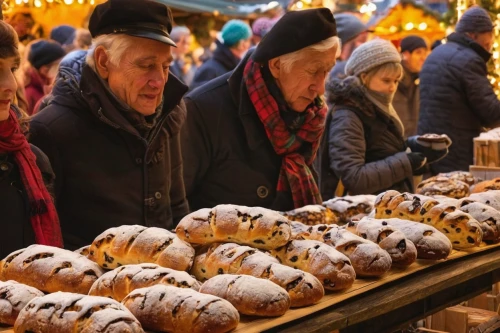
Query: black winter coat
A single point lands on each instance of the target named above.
(228, 158)
(407, 102)
(456, 98)
(15, 222)
(222, 61)
(361, 145)
(107, 173)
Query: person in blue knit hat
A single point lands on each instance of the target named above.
(64, 35)
(236, 40)
(456, 96)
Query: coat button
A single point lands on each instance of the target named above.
(138, 160)
(4, 167)
(262, 192)
(158, 195)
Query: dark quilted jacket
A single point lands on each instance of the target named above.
(456, 98)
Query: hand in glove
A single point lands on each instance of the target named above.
(434, 147)
(417, 161)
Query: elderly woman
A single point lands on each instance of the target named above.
(27, 211)
(251, 135)
(365, 146)
(113, 138)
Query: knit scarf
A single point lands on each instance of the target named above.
(297, 147)
(43, 215)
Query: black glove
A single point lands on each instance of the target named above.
(417, 161)
(432, 155)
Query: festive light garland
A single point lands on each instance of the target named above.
(11, 4)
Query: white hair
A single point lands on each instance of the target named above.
(115, 46)
(287, 60)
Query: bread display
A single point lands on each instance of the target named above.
(84, 250)
(230, 258)
(179, 310)
(299, 230)
(119, 282)
(13, 298)
(249, 295)
(311, 215)
(402, 250)
(387, 201)
(487, 185)
(462, 176)
(439, 185)
(258, 227)
(331, 267)
(74, 313)
(490, 198)
(135, 244)
(367, 258)
(350, 206)
(488, 217)
(430, 243)
(50, 269)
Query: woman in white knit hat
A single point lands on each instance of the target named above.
(363, 145)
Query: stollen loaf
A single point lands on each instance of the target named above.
(350, 206)
(179, 310)
(249, 295)
(254, 226)
(331, 267)
(488, 218)
(119, 282)
(74, 313)
(135, 244)
(50, 269)
(230, 258)
(13, 298)
(311, 215)
(490, 198)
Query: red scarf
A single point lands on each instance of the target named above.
(43, 215)
(295, 174)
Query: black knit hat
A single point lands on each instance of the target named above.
(349, 27)
(138, 18)
(411, 43)
(45, 52)
(294, 31)
(475, 19)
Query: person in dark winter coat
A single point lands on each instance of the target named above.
(183, 66)
(364, 145)
(406, 101)
(113, 139)
(456, 97)
(251, 135)
(27, 210)
(236, 40)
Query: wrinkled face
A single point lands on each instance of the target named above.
(415, 60)
(305, 80)
(141, 75)
(384, 82)
(8, 84)
(485, 39)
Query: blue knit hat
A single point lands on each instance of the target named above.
(234, 31)
(475, 19)
(63, 34)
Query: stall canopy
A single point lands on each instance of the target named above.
(241, 8)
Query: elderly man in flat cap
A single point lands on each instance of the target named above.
(251, 135)
(114, 138)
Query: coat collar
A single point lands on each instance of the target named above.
(225, 57)
(470, 43)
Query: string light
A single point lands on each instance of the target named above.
(10, 4)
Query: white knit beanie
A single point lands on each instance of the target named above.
(370, 55)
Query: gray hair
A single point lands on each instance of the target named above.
(287, 60)
(115, 45)
(178, 32)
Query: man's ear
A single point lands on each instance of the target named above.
(101, 59)
(275, 67)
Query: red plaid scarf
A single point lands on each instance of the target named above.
(44, 219)
(295, 174)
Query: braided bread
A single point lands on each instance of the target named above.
(330, 266)
(345, 208)
(439, 185)
(119, 282)
(299, 230)
(303, 288)
(367, 258)
(311, 215)
(135, 244)
(249, 295)
(74, 313)
(84, 250)
(488, 217)
(13, 298)
(179, 310)
(258, 227)
(401, 249)
(50, 269)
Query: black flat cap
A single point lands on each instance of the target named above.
(138, 18)
(294, 31)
